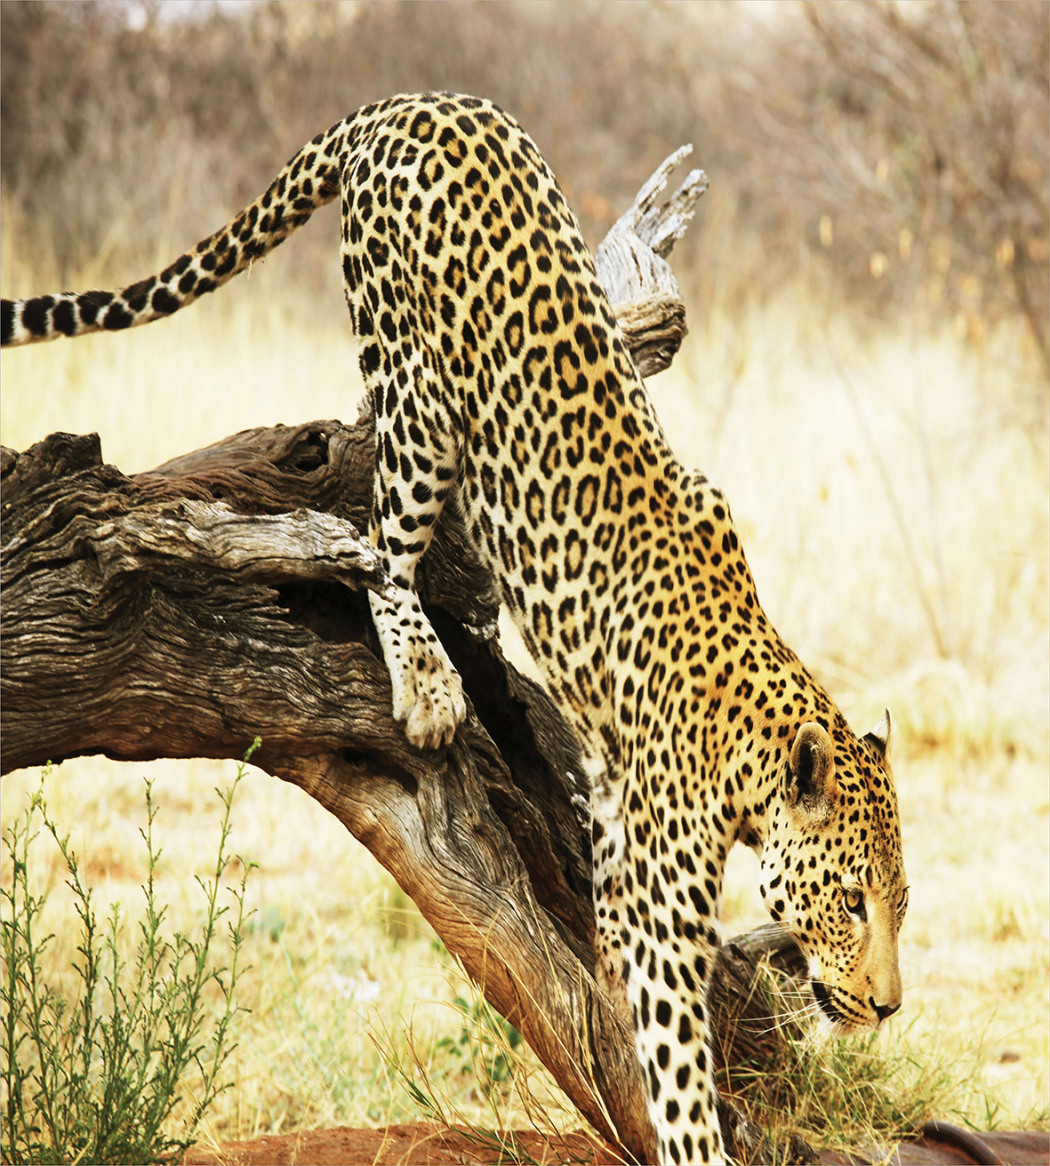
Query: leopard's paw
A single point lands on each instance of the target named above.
(438, 705)
(427, 689)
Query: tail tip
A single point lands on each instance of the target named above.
(7, 322)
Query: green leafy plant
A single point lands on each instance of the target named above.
(486, 1045)
(97, 1076)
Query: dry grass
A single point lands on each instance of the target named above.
(892, 496)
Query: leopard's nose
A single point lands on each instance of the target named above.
(882, 1011)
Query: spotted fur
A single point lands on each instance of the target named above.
(500, 380)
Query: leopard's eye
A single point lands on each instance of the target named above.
(853, 901)
(902, 904)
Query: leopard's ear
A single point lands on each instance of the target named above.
(882, 735)
(810, 785)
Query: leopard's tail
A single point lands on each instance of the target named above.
(308, 181)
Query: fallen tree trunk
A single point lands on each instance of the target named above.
(185, 611)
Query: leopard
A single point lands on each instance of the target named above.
(501, 386)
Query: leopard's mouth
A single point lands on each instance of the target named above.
(827, 1005)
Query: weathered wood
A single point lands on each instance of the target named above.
(139, 654)
(146, 654)
(631, 263)
(185, 611)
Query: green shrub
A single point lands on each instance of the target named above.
(97, 1078)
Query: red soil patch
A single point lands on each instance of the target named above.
(433, 1145)
(425, 1145)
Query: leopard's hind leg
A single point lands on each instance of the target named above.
(417, 462)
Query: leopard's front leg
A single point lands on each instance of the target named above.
(656, 952)
(418, 461)
(667, 988)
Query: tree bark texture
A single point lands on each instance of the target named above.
(184, 611)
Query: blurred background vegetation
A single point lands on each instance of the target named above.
(898, 151)
(866, 376)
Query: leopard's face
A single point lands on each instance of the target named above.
(833, 875)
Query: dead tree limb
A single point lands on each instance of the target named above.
(185, 611)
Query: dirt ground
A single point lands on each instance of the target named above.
(422, 1144)
(433, 1145)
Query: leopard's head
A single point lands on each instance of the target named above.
(832, 871)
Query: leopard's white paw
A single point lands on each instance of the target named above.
(427, 689)
(438, 707)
